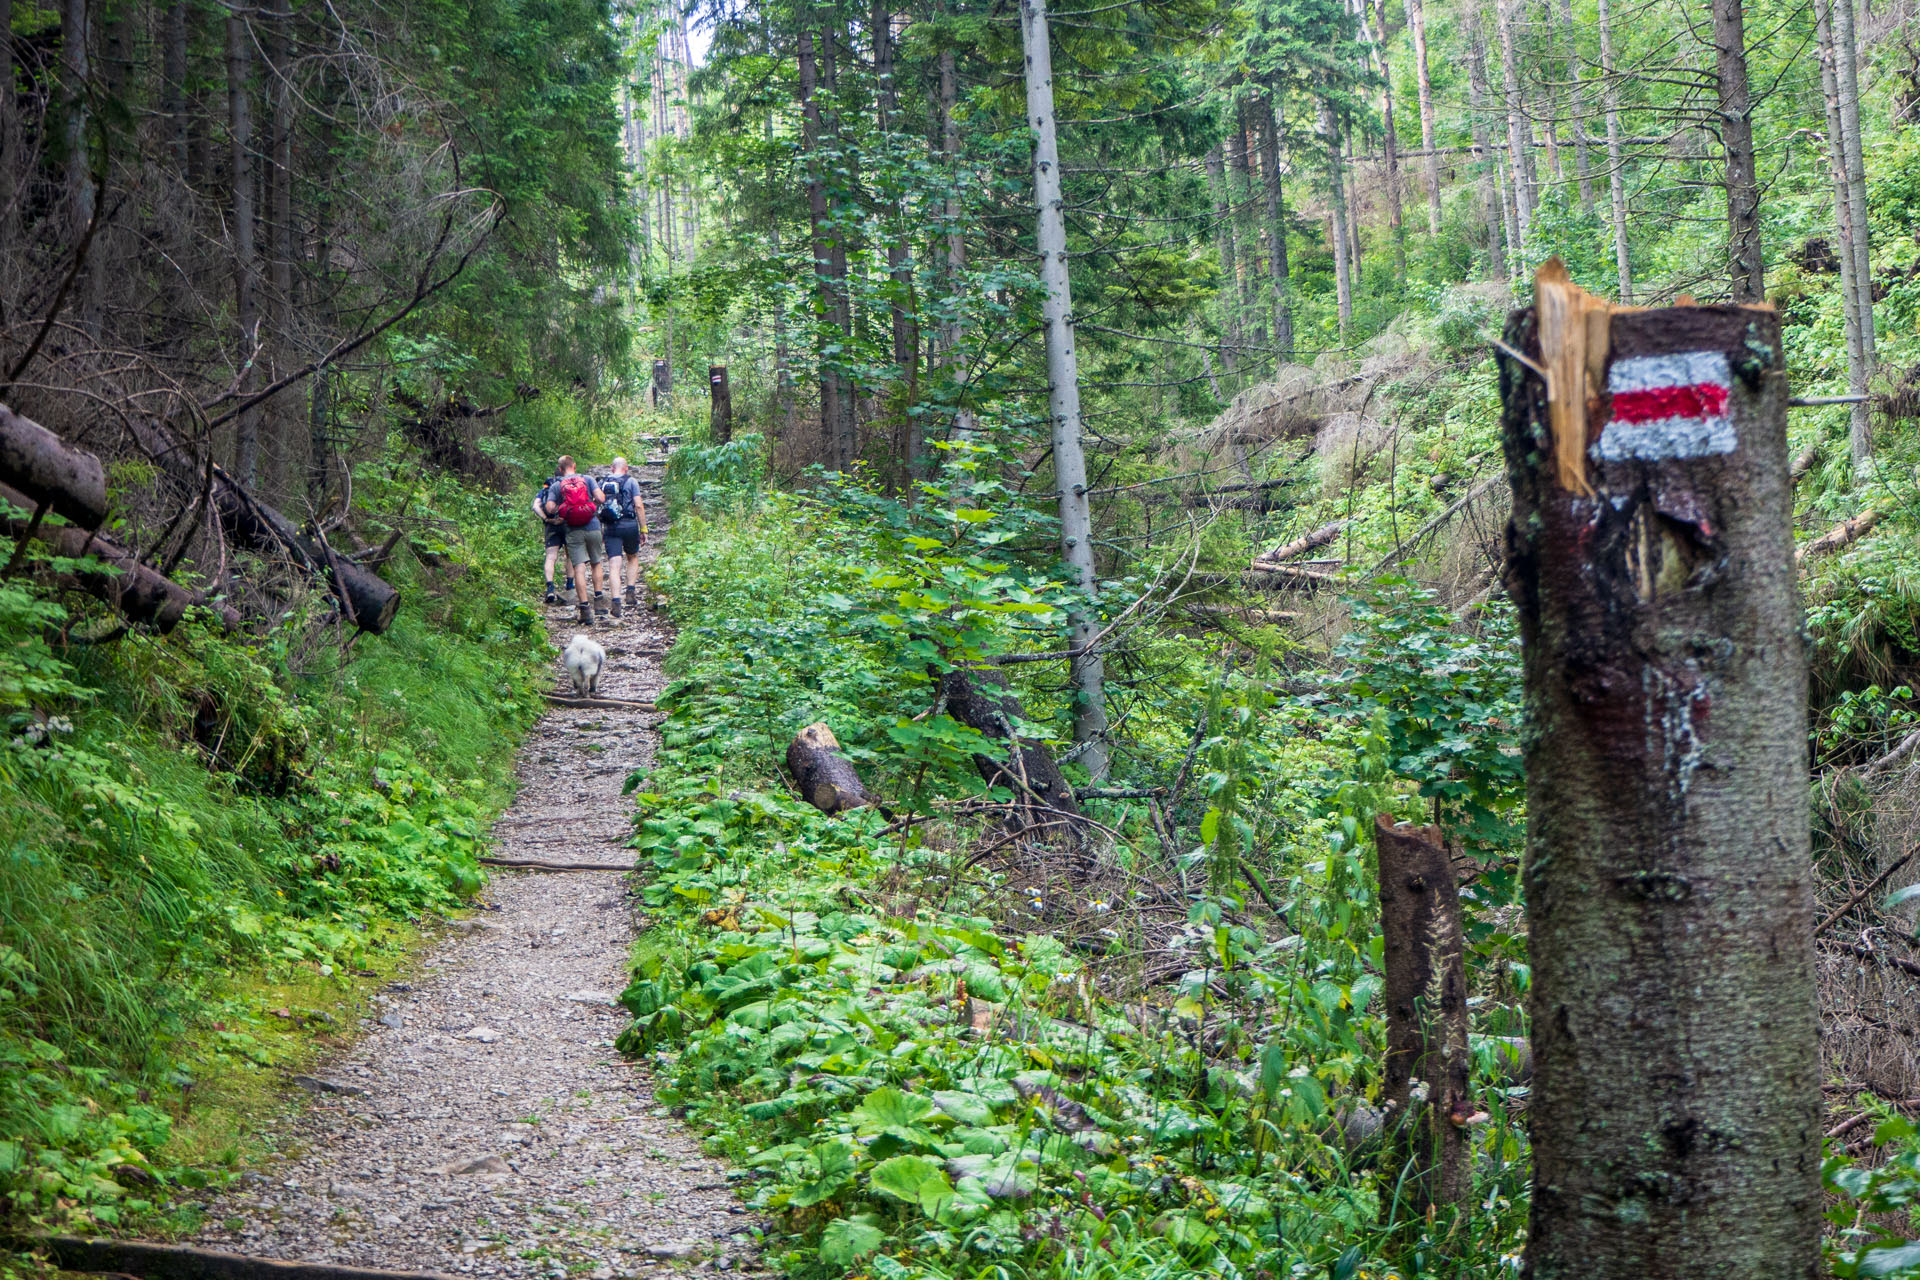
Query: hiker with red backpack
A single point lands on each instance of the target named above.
(575, 500)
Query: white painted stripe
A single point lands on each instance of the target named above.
(1675, 369)
(1666, 438)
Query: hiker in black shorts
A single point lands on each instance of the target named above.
(555, 531)
(576, 500)
(625, 519)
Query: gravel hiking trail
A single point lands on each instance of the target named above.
(484, 1124)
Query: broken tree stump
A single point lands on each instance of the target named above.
(1426, 1005)
(981, 699)
(1676, 1107)
(825, 777)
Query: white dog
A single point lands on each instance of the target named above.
(584, 659)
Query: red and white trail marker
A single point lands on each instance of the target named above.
(1668, 406)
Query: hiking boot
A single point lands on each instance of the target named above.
(553, 597)
(614, 608)
(600, 602)
(586, 614)
(631, 604)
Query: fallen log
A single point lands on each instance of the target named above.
(600, 704)
(826, 778)
(366, 599)
(1260, 617)
(529, 864)
(1282, 577)
(188, 1262)
(50, 472)
(982, 700)
(1847, 531)
(137, 592)
(1299, 546)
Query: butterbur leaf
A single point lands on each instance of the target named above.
(833, 1162)
(964, 1107)
(914, 1180)
(847, 1240)
(1893, 1260)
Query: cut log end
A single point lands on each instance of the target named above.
(824, 775)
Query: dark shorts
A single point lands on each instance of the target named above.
(625, 535)
(556, 534)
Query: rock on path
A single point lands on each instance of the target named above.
(485, 1125)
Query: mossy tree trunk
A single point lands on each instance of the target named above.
(1676, 1107)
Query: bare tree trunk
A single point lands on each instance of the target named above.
(1417, 21)
(906, 336)
(1748, 271)
(1063, 391)
(1390, 140)
(1336, 194)
(1246, 238)
(173, 82)
(1576, 79)
(1426, 1008)
(1847, 73)
(73, 86)
(1551, 125)
(1676, 1103)
(1270, 121)
(1616, 160)
(246, 266)
(1224, 246)
(963, 418)
(12, 170)
(1479, 105)
(1860, 427)
(833, 389)
(1519, 132)
(846, 427)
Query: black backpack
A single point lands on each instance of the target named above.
(621, 492)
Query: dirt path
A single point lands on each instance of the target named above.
(485, 1124)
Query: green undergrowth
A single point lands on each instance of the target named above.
(913, 1069)
(212, 846)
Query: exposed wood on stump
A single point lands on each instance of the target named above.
(720, 420)
(1842, 534)
(826, 778)
(138, 593)
(982, 700)
(1676, 1090)
(1426, 992)
(47, 470)
(368, 602)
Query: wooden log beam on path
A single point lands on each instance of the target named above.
(1846, 532)
(1426, 1005)
(1676, 1106)
(600, 704)
(139, 593)
(532, 864)
(826, 778)
(68, 481)
(368, 601)
(153, 1261)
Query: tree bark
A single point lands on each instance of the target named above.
(1390, 141)
(1616, 161)
(12, 171)
(1277, 267)
(1582, 160)
(1426, 1008)
(246, 266)
(846, 428)
(1479, 105)
(1747, 267)
(1240, 151)
(826, 306)
(1087, 673)
(1676, 1092)
(1337, 196)
(826, 778)
(1417, 21)
(720, 413)
(74, 70)
(1860, 425)
(1229, 269)
(906, 336)
(1519, 131)
(34, 461)
(981, 700)
(1847, 74)
(963, 419)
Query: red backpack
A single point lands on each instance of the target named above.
(578, 506)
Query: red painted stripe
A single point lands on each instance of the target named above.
(1702, 400)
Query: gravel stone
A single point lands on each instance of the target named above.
(535, 1150)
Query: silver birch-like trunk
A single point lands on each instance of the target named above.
(1493, 202)
(1229, 269)
(1337, 196)
(1389, 140)
(1616, 162)
(1063, 388)
(964, 423)
(1576, 82)
(1860, 422)
(1847, 72)
(1519, 134)
(1417, 22)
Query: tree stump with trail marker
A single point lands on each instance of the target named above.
(720, 419)
(1676, 1089)
(826, 778)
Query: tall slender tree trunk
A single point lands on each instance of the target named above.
(1417, 22)
(1676, 1106)
(12, 168)
(1616, 159)
(1860, 426)
(173, 82)
(1551, 126)
(1240, 151)
(1747, 267)
(1063, 390)
(1390, 141)
(1277, 267)
(1519, 132)
(826, 303)
(1576, 81)
(1223, 243)
(846, 427)
(1479, 105)
(906, 337)
(75, 87)
(1337, 197)
(246, 263)
(953, 340)
(1847, 75)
